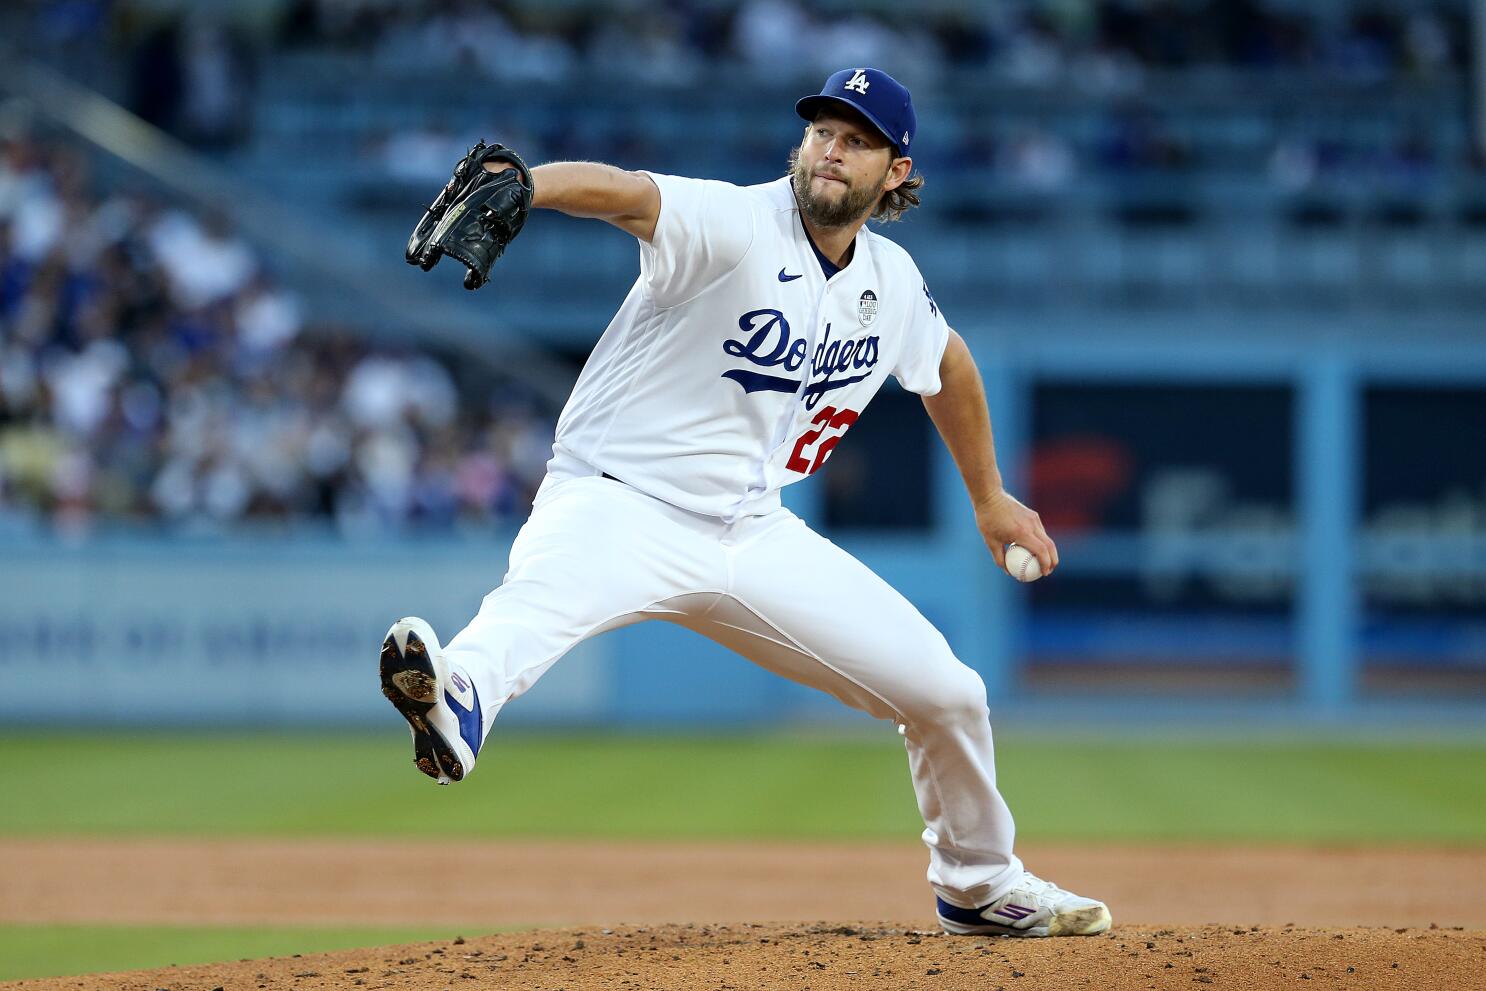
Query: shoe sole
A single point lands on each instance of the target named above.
(411, 684)
(1089, 921)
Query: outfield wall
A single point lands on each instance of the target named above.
(285, 632)
(157, 632)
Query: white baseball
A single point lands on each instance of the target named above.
(1021, 564)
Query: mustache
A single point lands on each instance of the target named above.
(858, 199)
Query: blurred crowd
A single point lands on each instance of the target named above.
(1031, 41)
(1108, 48)
(684, 41)
(151, 370)
(193, 69)
(993, 152)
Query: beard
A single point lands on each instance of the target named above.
(856, 202)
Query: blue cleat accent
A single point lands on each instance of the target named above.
(953, 913)
(469, 719)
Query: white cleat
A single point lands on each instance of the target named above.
(1033, 907)
(439, 703)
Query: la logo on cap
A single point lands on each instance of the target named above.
(875, 95)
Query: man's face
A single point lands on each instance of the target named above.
(841, 169)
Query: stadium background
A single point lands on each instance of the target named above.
(1222, 264)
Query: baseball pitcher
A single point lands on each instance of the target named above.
(763, 321)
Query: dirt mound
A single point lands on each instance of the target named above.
(510, 883)
(528, 884)
(874, 956)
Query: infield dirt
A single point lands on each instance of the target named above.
(1186, 916)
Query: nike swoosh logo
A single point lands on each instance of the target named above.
(789, 278)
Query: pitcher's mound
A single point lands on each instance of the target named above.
(850, 957)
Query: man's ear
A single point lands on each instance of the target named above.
(899, 171)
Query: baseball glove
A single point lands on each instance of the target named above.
(475, 215)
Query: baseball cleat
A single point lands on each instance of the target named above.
(440, 704)
(1033, 907)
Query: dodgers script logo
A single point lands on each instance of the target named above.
(767, 342)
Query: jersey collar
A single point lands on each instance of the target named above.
(782, 193)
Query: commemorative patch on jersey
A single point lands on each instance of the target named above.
(867, 307)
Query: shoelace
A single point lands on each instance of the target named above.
(1031, 882)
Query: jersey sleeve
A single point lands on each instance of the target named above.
(704, 230)
(924, 341)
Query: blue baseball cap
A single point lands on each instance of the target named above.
(875, 95)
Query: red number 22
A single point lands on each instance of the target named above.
(829, 418)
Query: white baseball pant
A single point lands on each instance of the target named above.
(596, 555)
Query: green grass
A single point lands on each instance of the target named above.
(54, 951)
(776, 786)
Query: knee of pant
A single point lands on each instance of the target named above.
(957, 696)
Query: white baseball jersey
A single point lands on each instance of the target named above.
(735, 366)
